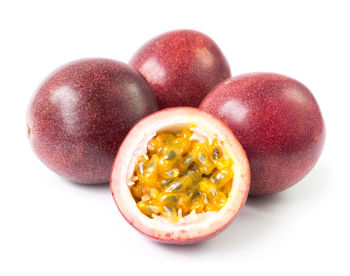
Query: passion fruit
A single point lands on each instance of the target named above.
(180, 176)
(81, 113)
(278, 122)
(181, 66)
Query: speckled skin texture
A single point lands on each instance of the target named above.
(278, 122)
(81, 113)
(181, 66)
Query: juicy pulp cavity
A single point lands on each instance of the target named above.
(194, 227)
(181, 173)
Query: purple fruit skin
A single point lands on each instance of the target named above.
(81, 113)
(181, 66)
(278, 122)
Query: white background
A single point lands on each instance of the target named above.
(53, 227)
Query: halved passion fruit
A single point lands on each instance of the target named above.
(180, 176)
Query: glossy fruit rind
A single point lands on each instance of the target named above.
(278, 122)
(181, 66)
(81, 113)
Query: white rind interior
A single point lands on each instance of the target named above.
(193, 226)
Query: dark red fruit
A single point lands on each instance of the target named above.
(81, 114)
(181, 66)
(278, 122)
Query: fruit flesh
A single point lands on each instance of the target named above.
(192, 228)
(278, 122)
(181, 173)
(81, 113)
(181, 66)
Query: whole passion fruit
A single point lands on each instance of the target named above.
(180, 176)
(181, 66)
(81, 113)
(278, 122)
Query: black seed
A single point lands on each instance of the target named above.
(165, 182)
(216, 179)
(193, 168)
(175, 186)
(216, 154)
(188, 160)
(170, 173)
(172, 199)
(171, 155)
(196, 196)
(150, 147)
(141, 168)
(150, 168)
(202, 157)
(168, 208)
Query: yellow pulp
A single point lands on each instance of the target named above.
(180, 175)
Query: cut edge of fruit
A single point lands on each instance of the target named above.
(190, 228)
